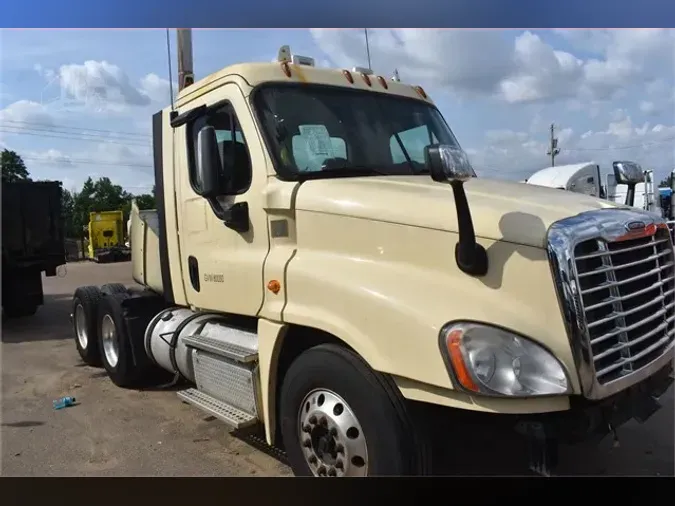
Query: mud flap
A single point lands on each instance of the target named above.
(139, 309)
(542, 449)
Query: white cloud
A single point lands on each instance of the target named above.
(25, 111)
(156, 88)
(129, 167)
(465, 60)
(525, 70)
(542, 72)
(99, 86)
(516, 155)
(647, 107)
(50, 156)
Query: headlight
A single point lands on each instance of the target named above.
(492, 361)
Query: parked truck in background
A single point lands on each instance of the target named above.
(32, 243)
(586, 178)
(106, 237)
(324, 264)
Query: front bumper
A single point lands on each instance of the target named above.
(593, 420)
(487, 438)
(590, 420)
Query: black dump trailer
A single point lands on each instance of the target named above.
(32, 243)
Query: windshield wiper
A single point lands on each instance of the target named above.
(343, 171)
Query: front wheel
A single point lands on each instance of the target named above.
(341, 418)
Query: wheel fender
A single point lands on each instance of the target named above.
(270, 339)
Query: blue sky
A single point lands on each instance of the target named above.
(75, 103)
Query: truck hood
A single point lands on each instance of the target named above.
(513, 212)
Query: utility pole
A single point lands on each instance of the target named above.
(185, 68)
(553, 149)
(367, 48)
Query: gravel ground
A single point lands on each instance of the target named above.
(117, 432)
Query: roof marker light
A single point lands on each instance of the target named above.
(366, 79)
(383, 82)
(349, 76)
(303, 60)
(420, 92)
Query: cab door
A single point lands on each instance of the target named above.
(222, 261)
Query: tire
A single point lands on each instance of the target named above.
(115, 344)
(111, 288)
(85, 323)
(373, 426)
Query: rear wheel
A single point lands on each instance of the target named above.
(115, 343)
(111, 288)
(85, 316)
(341, 418)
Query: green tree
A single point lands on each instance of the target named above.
(13, 167)
(665, 182)
(96, 196)
(67, 210)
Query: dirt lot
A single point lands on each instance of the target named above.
(115, 432)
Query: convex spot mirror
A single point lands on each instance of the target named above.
(447, 164)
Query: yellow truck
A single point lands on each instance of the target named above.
(106, 237)
(324, 264)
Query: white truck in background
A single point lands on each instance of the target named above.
(586, 178)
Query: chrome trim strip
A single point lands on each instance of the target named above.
(562, 238)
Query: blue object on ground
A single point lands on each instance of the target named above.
(64, 402)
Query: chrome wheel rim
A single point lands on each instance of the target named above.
(81, 327)
(331, 437)
(109, 338)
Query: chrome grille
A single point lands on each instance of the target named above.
(626, 290)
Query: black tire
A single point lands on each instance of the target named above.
(391, 442)
(111, 288)
(89, 298)
(124, 373)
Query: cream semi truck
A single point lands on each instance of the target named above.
(323, 264)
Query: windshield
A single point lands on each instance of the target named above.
(320, 131)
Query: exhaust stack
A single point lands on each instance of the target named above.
(186, 75)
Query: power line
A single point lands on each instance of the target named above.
(118, 132)
(50, 134)
(610, 148)
(63, 130)
(85, 162)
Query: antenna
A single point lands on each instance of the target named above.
(168, 51)
(365, 30)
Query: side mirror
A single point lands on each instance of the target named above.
(447, 164)
(628, 173)
(209, 165)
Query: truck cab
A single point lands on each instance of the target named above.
(323, 258)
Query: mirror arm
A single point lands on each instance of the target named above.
(630, 195)
(470, 256)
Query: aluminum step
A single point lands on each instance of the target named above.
(222, 348)
(232, 416)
